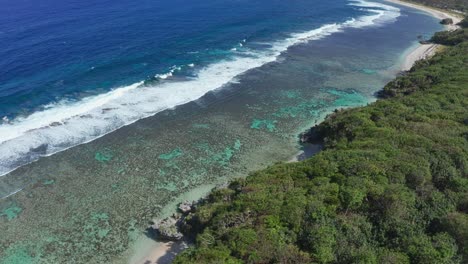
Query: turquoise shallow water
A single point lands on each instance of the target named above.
(73, 71)
(88, 204)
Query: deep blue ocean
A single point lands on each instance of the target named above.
(72, 71)
(66, 50)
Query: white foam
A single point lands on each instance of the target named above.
(383, 13)
(163, 76)
(66, 124)
(168, 74)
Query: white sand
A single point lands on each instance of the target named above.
(160, 253)
(424, 51)
(148, 251)
(440, 14)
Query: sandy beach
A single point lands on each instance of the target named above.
(440, 14)
(424, 51)
(165, 252)
(160, 253)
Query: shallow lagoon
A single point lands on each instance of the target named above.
(90, 203)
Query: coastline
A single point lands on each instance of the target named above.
(165, 252)
(369, 148)
(148, 250)
(424, 51)
(439, 14)
(159, 252)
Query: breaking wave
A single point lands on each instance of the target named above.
(69, 123)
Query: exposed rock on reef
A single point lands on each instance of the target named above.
(310, 136)
(186, 207)
(170, 227)
(446, 21)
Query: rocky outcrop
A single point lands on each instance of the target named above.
(446, 21)
(170, 228)
(311, 136)
(167, 229)
(186, 207)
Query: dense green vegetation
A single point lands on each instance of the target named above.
(464, 23)
(391, 185)
(452, 38)
(460, 5)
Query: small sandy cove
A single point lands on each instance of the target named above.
(161, 253)
(424, 51)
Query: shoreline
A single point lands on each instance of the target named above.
(160, 252)
(437, 13)
(165, 252)
(424, 51)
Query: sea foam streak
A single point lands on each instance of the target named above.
(66, 124)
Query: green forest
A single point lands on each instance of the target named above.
(459, 5)
(390, 186)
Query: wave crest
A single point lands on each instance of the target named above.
(67, 124)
